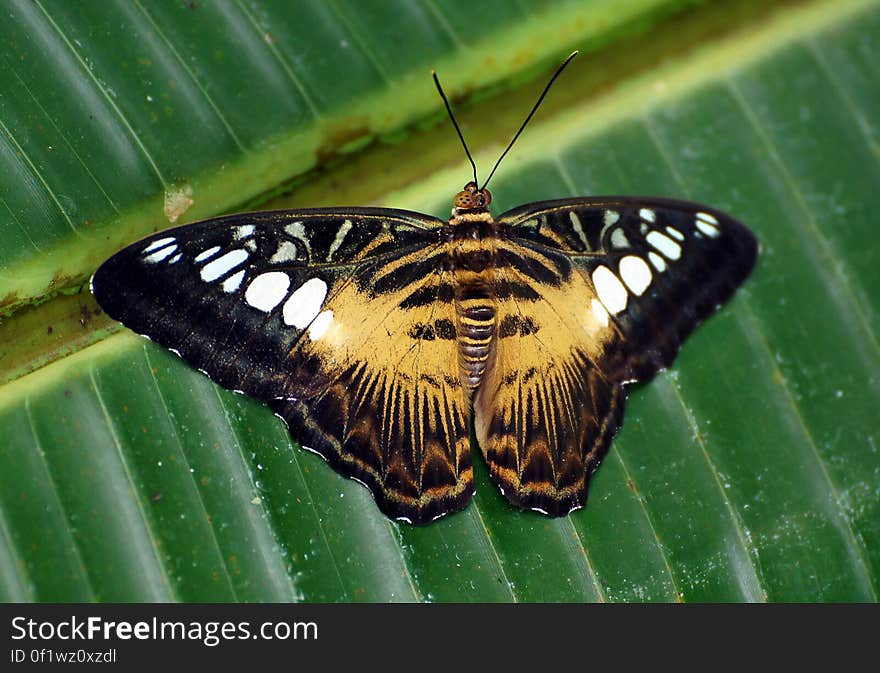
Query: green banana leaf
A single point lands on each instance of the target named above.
(749, 471)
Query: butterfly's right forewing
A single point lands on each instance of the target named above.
(237, 296)
(341, 320)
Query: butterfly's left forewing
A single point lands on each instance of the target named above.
(236, 296)
(340, 319)
(658, 267)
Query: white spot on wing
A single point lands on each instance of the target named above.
(296, 230)
(244, 231)
(207, 254)
(305, 303)
(708, 224)
(223, 264)
(232, 283)
(658, 262)
(578, 229)
(599, 312)
(611, 292)
(619, 239)
(161, 254)
(647, 214)
(176, 258)
(160, 243)
(664, 244)
(340, 237)
(635, 273)
(608, 219)
(320, 325)
(675, 233)
(267, 290)
(708, 229)
(286, 252)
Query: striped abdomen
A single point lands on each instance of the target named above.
(474, 308)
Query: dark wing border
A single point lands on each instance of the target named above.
(528, 211)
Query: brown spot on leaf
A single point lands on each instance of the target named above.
(85, 315)
(178, 199)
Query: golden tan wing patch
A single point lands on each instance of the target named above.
(392, 412)
(544, 414)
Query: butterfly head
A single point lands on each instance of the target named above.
(471, 199)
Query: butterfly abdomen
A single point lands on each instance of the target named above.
(475, 314)
(472, 261)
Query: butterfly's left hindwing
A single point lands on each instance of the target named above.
(395, 417)
(313, 312)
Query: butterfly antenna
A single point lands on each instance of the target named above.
(455, 124)
(531, 114)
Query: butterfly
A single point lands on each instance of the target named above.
(382, 337)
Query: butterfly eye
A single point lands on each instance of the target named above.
(472, 197)
(464, 200)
